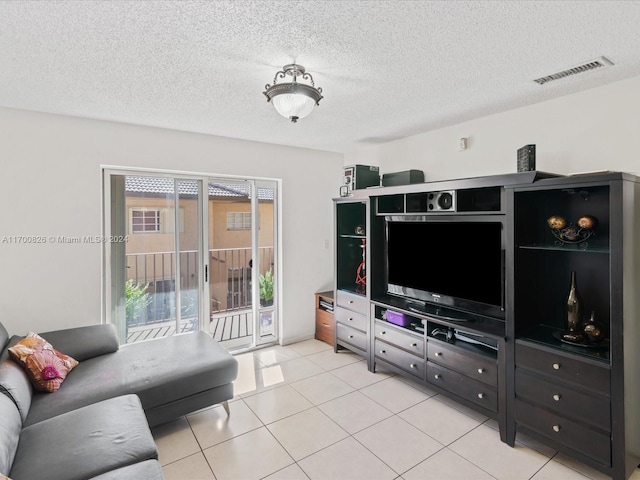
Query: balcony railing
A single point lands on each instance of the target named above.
(230, 282)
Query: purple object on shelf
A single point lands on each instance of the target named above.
(398, 318)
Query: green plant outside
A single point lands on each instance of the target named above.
(266, 285)
(136, 300)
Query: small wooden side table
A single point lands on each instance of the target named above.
(325, 326)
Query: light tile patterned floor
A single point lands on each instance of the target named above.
(304, 412)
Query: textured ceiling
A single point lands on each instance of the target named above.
(388, 69)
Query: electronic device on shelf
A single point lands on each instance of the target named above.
(360, 176)
(455, 264)
(441, 201)
(475, 339)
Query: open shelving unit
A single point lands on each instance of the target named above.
(575, 395)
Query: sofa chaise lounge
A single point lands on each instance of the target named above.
(97, 424)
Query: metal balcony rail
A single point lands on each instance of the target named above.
(154, 273)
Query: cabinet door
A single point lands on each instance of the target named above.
(563, 367)
(577, 436)
(463, 386)
(483, 369)
(564, 399)
(408, 362)
(399, 338)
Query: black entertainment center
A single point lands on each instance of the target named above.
(460, 286)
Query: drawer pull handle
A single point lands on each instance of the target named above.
(383, 332)
(413, 365)
(556, 366)
(414, 345)
(438, 354)
(556, 397)
(326, 324)
(481, 370)
(383, 351)
(350, 336)
(350, 319)
(350, 301)
(436, 376)
(481, 395)
(556, 428)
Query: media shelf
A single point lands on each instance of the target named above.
(467, 363)
(550, 337)
(565, 248)
(571, 395)
(578, 399)
(351, 238)
(441, 315)
(351, 310)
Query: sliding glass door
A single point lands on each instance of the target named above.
(156, 270)
(241, 243)
(198, 253)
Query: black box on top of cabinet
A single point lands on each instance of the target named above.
(361, 176)
(402, 178)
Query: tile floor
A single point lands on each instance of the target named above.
(303, 412)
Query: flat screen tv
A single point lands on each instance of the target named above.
(455, 263)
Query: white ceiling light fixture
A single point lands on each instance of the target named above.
(293, 100)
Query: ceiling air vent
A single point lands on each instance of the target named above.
(598, 63)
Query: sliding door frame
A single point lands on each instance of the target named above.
(108, 275)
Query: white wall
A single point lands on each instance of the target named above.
(596, 129)
(51, 185)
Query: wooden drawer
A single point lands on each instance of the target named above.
(404, 360)
(477, 392)
(399, 338)
(325, 329)
(564, 400)
(563, 367)
(353, 302)
(478, 367)
(350, 318)
(579, 437)
(351, 336)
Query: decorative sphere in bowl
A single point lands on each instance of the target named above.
(556, 222)
(587, 222)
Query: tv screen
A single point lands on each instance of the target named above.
(454, 263)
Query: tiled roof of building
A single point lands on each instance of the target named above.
(164, 186)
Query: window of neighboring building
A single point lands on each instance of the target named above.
(238, 220)
(145, 221)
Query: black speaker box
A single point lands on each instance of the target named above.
(361, 176)
(527, 158)
(402, 178)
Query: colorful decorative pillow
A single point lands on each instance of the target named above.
(45, 366)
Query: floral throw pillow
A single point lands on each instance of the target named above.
(45, 366)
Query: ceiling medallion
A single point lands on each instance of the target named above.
(293, 100)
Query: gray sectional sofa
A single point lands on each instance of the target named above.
(97, 425)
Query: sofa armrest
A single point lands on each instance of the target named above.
(83, 343)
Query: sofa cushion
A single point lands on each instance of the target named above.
(159, 371)
(85, 443)
(10, 426)
(45, 366)
(86, 342)
(14, 382)
(147, 470)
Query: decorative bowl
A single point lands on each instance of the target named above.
(572, 234)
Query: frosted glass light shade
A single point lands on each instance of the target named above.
(293, 105)
(293, 100)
